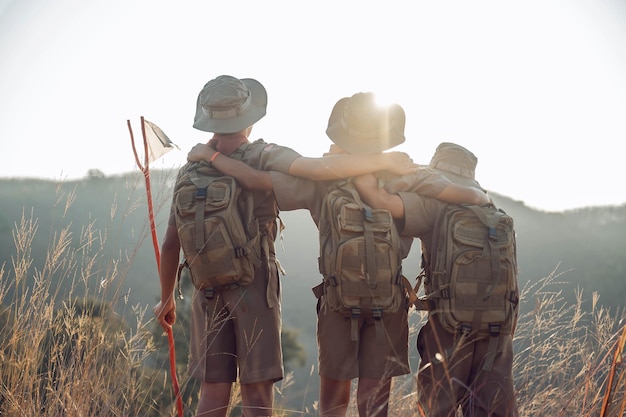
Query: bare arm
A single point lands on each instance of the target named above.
(165, 310)
(367, 185)
(375, 197)
(324, 168)
(351, 165)
(249, 178)
(461, 194)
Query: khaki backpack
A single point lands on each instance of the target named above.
(217, 229)
(359, 257)
(471, 271)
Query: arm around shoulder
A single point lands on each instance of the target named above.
(250, 178)
(338, 166)
(461, 194)
(375, 197)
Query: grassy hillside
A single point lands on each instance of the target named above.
(63, 245)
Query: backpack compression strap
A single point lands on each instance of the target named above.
(202, 193)
(492, 237)
(494, 253)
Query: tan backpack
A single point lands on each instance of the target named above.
(471, 271)
(359, 257)
(217, 229)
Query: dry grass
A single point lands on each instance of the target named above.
(70, 353)
(564, 352)
(74, 355)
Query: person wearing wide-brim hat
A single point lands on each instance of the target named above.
(451, 371)
(229, 105)
(220, 353)
(357, 125)
(456, 163)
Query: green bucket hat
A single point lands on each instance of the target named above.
(227, 104)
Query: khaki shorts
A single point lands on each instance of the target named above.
(235, 333)
(341, 358)
(450, 375)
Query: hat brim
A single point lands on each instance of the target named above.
(353, 143)
(252, 114)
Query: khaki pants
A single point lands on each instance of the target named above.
(450, 374)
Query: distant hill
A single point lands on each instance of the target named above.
(587, 244)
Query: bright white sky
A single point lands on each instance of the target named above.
(536, 88)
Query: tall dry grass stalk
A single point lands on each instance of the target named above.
(564, 351)
(69, 353)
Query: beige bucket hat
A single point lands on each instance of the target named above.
(455, 162)
(358, 124)
(227, 104)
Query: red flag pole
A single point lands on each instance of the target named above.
(617, 360)
(146, 174)
(145, 169)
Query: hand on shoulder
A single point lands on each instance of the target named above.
(201, 151)
(400, 163)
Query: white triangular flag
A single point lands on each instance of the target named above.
(158, 142)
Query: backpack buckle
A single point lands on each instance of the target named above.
(209, 293)
(355, 312)
(232, 286)
(445, 293)
(465, 328)
(494, 329)
(377, 313)
(201, 193)
(240, 252)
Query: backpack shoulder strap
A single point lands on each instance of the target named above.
(370, 244)
(197, 180)
(490, 221)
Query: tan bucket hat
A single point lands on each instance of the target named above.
(455, 162)
(227, 104)
(358, 124)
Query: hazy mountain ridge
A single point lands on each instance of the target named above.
(587, 242)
